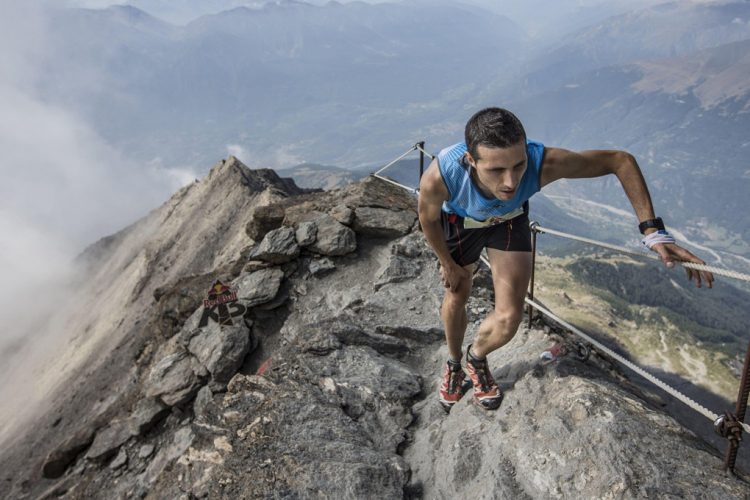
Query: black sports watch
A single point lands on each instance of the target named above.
(646, 224)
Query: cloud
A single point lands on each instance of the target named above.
(62, 187)
(238, 151)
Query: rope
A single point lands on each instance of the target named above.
(637, 369)
(699, 267)
(386, 179)
(425, 152)
(396, 160)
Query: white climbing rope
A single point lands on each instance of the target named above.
(425, 152)
(699, 267)
(386, 179)
(395, 161)
(640, 371)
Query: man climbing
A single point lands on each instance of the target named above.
(475, 195)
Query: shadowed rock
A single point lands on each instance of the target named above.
(383, 222)
(278, 246)
(173, 379)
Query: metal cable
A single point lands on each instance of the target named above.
(637, 369)
(396, 160)
(699, 267)
(386, 179)
(425, 152)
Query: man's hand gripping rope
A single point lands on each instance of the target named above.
(664, 244)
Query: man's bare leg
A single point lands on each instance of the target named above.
(511, 272)
(453, 314)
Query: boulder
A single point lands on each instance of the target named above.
(146, 450)
(221, 349)
(343, 214)
(173, 379)
(383, 222)
(306, 233)
(259, 287)
(396, 270)
(109, 439)
(62, 456)
(278, 246)
(334, 238)
(147, 413)
(120, 460)
(320, 267)
(264, 219)
(202, 402)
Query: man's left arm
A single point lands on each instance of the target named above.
(563, 164)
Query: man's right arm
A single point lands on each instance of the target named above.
(432, 194)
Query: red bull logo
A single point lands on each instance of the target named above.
(221, 306)
(219, 293)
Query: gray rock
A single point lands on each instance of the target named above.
(383, 222)
(334, 238)
(203, 400)
(264, 219)
(255, 265)
(343, 214)
(411, 245)
(320, 267)
(259, 287)
(396, 270)
(110, 438)
(173, 379)
(278, 246)
(420, 335)
(62, 456)
(306, 233)
(146, 450)
(120, 460)
(221, 349)
(181, 441)
(147, 413)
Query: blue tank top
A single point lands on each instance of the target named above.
(468, 202)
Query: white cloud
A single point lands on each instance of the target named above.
(62, 186)
(238, 151)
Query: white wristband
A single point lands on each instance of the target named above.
(657, 238)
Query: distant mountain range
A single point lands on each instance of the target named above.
(292, 82)
(684, 118)
(350, 85)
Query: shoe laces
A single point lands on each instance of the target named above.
(453, 380)
(483, 374)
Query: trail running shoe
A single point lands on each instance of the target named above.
(486, 392)
(453, 387)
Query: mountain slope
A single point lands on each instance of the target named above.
(666, 30)
(315, 374)
(687, 134)
(200, 228)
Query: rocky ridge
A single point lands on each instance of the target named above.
(318, 380)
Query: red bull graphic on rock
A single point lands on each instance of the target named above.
(221, 306)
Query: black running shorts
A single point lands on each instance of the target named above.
(466, 245)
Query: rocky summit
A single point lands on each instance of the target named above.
(287, 344)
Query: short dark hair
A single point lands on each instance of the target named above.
(494, 128)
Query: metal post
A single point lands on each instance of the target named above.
(742, 396)
(531, 283)
(421, 159)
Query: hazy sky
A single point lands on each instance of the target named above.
(183, 11)
(63, 185)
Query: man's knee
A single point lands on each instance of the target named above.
(457, 298)
(505, 322)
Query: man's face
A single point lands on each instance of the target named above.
(500, 170)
